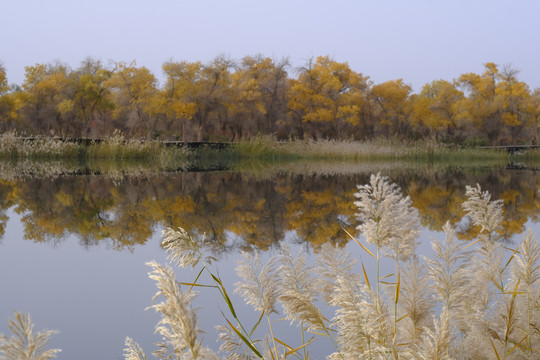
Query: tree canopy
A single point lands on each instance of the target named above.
(229, 100)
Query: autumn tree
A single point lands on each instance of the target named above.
(174, 99)
(326, 99)
(135, 96)
(439, 108)
(195, 98)
(498, 104)
(516, 105)
(535, 126)
(392, 107)
(259, 87)
(43, 91)
(86, 103)
(212, 95)
(5, 102)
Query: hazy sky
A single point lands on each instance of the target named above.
(417, 40)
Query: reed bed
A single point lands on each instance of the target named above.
(116, 147)
(474, 299)
(12, 147)
(379, 149)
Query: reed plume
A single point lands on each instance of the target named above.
(525, 274)
(434, 343)
(231, 344)
(482, 210)
(259, 285)
(184, 250)
(387, 219)
(333, 262)
(416, 302)
(133, 351)
(179, 324)
(298, 292)
(25, 344)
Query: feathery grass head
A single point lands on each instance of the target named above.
(133, 351)
(434, 343)
(415, 299)
(387, 218)
(232, 345)
(333, 262)
(298, 292)
(448, 271)
(179, 324)
(528, 260)
(259, 285)
(25, 343)
(182, 248)
(482, 211)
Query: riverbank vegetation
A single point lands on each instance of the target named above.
(420, 309)
(115, 147)
(229, 100)
(264, 149)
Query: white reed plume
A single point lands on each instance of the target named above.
(179, 324)
(183, 249)
(231, 344)
(434, 343)
(387, 219)
(448, 271)
(25, 344)
(528, 260)
(415, 301)
(133, 351)
(333, 261)
(298, 292)
(526, 270)
(482, 211)
(384, 213)
(259, 285)
(357, 322)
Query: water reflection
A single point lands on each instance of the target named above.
(237, 210)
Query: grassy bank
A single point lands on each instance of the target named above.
(263, 151)
(380, 149)
(117, 147)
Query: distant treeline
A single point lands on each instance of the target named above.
(227, 100)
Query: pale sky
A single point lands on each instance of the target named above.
(416, 40)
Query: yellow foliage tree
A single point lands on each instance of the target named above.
(392, 106)
(327, 98)
(134, 92)
(439, 107)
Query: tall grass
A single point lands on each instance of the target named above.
(116, 147)
(378, 149)
(25, 343)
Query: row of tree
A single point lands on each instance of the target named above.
(225, 100)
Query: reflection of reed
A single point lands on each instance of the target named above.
(109, 168)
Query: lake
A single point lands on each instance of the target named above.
(73, 245)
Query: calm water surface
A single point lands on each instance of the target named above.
(73, 247)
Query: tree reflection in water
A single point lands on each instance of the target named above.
(238, 210)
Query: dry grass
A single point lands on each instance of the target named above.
(25, 344)
(377, 149)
